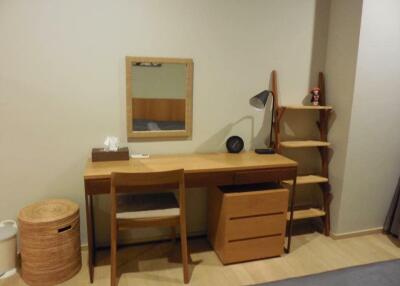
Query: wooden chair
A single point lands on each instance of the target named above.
(149, 209)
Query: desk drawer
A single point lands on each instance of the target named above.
(97, 186)
(209, 179)
(244, 204)
(251, 249)
(261, 176)
(255, 226)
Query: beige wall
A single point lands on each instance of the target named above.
(363, 70)
(62, 82)
(373, 155)
(340, 69)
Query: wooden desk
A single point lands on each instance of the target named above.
(201, 170)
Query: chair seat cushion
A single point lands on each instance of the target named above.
(147, 206)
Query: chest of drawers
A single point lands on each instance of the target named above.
(247, 222)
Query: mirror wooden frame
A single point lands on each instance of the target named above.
(159, 134)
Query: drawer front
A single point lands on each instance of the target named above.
(255, 226)
(262, 176)
(209, 179)
(97, 186)
(251, 249)
(246, 204)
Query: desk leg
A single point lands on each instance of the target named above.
(94, 246)
(90, 234)
(290, 227)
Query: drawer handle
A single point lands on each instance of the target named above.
(249, 216)
(60, 230)
(256, 237)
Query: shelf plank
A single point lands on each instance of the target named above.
(304, 144)
(308, 213)
(307, 179)
(307, 107)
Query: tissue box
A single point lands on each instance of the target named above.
(98, 154)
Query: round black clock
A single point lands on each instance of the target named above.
(234, 144)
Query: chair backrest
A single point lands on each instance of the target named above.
(131, 182)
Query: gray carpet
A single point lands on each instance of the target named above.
(377, 274)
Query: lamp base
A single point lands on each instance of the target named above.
(265, 151)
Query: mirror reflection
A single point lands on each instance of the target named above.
(158, 96)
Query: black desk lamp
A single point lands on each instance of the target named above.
(258, 102)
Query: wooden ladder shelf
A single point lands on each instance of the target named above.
(322, 144)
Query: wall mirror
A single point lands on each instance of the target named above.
(159, 97)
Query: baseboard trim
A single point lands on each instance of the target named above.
(357, 233)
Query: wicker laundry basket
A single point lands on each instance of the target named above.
(49, 242)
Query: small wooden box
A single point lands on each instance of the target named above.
(98, 154)
(247, 222)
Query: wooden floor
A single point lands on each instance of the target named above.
(158, 263)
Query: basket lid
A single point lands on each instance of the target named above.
(7, 231)
(48, 211)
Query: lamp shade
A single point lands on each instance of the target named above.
(260, 100)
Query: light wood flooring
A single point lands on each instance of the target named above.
(158, 263)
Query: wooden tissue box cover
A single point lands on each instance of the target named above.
(98, 154)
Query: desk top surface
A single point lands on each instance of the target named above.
(191, 163)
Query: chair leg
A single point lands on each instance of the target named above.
(113, 256)
(185, 255)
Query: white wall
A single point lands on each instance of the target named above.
(62, 81)
(373, 155)
(340, 70)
